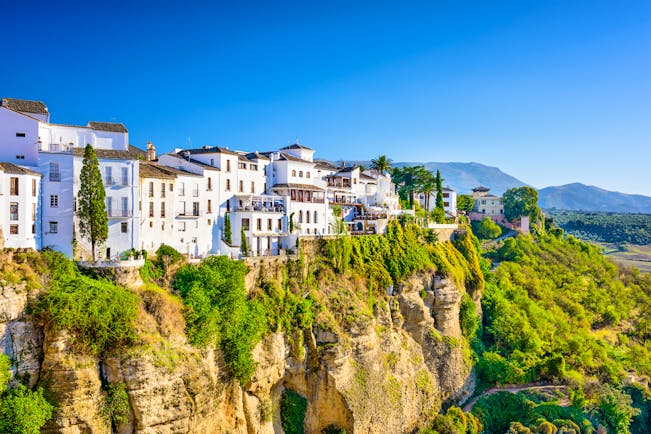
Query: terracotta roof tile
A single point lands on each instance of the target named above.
(24, 105)
(108, 126)
(16, 170)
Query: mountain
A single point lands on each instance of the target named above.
(463, 177)
(581, 197)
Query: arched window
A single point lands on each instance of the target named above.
(300, 173)
(300, 216)
(307, 174)
(308, 231)
(293, 173)
(315, 218)
(307, 217)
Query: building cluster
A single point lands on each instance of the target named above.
(486, 205)
(199, 201)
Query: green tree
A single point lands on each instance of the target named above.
(465, 202)
(521, 201)
(228, 231)
(486, 229)
(382, 164)
(427, 185)
(439, 191)
(244, 245)
(616, 409)
(410, 180)
(91, 199)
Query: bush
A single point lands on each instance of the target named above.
(116, 404)
(292, 412)
(486, 229)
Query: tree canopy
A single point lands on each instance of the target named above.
(91, 198)
(382, 164)
(465, 202)
(521, 201)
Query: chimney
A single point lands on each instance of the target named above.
(151, 151)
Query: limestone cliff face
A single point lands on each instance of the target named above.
(389, 371)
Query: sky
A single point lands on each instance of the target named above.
(551, 92)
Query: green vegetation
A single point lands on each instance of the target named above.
(116, 404)
(292, 412)
(228, 230)
(244, 245)
(382, 164)
(99, 314)
(521, 201)
(465, 202)
(455, 421)
(91, 199)
(218, 311)
(22, 411)
(605, 227)
(486, 229)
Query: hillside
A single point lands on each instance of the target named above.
(581, 197)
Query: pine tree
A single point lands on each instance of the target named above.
(228, 232)
(91, 199)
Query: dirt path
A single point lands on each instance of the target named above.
(512, 389)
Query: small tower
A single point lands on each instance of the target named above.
(151, 151)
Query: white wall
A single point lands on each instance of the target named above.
(27, 222)
(13, 148)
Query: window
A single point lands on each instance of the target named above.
(54, 201)
(242, 165)
(269, 225)
(300, 216)
(109, 206)
(209, 184)
(446, 203)
(109, 176)
(13, 211)
(259, 224)
(300, 173)
(280, 224)
(33, 228)
(162, 226)
(315, 219)
(33, 188)
(195, 190)
(151, 189)
(13, 229)
(245, 224)
(212, 161)
(20, 134)
(182, 189)
(252, 187)
(182, 210)
(124, 227)
(195, 209)
(307, 174)
(253, 167)
(228, 206)
(241, 186)
(125, 176)
(181, 226)
(151, 209)
(228, 165)
(33, 212)
(13, 186)
(125, 206)
(228, 185)
(162, 189)
(162, 209)
(293, 173)
(55, 172)
(307, 217)
(54, 227)
(209, 207)
(20, 157)
(446, 194)
(171, 187)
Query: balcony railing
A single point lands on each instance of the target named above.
(251, 208)
(185, 214)
(119, 213)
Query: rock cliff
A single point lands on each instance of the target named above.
(385, 367)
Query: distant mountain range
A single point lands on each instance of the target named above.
(581, 197)
(463, 177)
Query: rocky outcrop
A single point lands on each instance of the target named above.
(389, 371)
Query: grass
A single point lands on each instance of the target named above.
(629, 254)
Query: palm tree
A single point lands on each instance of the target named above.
(410, 180)
(427, 187)
(382, 164)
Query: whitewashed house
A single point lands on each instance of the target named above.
(19, 212)
(449, 201)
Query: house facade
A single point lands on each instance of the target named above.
(486, 204)
(19, 206)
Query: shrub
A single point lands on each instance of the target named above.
(116, 404)
(292, 412)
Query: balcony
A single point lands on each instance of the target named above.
(188, 215)
(119, 213)
(270, 209)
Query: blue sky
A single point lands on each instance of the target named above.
(551, 92)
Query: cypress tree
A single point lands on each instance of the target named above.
(91, 201)
(244, 246)
(228, 232)
(439, 191)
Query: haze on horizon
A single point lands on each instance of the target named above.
(550, 92)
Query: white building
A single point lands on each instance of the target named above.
(449, 201)
(56, 151)
(486, 203)
(19, 213)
